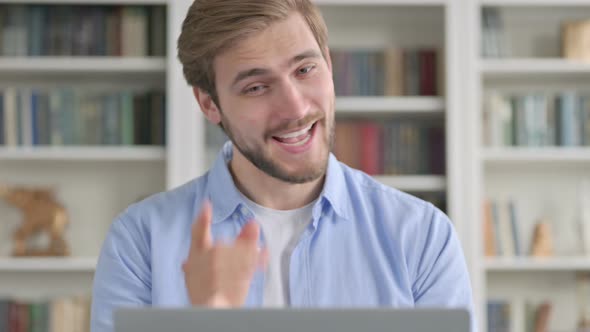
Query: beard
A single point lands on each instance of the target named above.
(259, 158)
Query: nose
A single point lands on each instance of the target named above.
(293, 104)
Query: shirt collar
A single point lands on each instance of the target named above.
(223, 194)
(226, 198)
(335, 191)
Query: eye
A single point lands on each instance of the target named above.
(305, 70)
(254, 90)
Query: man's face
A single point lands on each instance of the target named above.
(276, 100)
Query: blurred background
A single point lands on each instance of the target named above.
(481, 107)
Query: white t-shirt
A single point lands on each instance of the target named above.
(281, 230)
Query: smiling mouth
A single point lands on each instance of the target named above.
(296, 138)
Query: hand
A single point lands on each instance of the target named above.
(219, 275)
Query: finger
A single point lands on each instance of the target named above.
(244, 261)
(201, 230)
(249, 234)
(236, 263)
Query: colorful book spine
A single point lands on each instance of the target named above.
(32, 117)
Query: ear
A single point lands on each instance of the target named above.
(328, 58)
(208, 106)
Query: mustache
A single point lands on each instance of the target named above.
(290, 125)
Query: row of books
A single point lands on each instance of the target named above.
(65, 30)
(493, 39)
(382, 150)
(63, 314)
(30, 117)
(500, 316)
(537, 119)
(501, 229)
(392, 147)
(389, 72)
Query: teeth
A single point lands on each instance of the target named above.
(302, 142)
(297, 133)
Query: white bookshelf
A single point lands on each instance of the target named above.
(83, 153)
(532, 155)
(389, 105)
(414, 183)
(90, 65)
(95, 183)
(543, 181)
(58, 264)
(112, 177)
(537, 264)
(533, 67)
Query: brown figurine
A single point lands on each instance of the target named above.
(41, 214)
(542, 244)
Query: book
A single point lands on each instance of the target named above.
(10, 117)
(93, 30)
(427, 70)
(346, 145)
(394, 72)
(488, 229)
(499, 239)
(1, 119)
(506, 232)
(157, 31)
(412, 73)
(370, 148)
(576, 40)
(4, 313)
(25, 112)
(584, 110)
(498, 314)
(65, 116)
(567, 130)
(514, 228)
(493, 38)
(542, 316)
(527, 119)
(127, 118)
(584, 215)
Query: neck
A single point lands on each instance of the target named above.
(268, 191)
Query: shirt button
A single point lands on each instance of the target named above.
(243, 211)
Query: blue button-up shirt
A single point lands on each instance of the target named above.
(368, 245)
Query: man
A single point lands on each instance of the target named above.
(277, 221)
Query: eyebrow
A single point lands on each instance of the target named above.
(264, 71)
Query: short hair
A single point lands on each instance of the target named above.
(212, 26)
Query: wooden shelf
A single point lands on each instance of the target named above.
(84, 153)
(515, 67)
(389, 105)
(53, 264)
(546, 155)
(419, 183)
(537, 264)
(100, 64)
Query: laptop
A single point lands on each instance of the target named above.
(291, 320)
